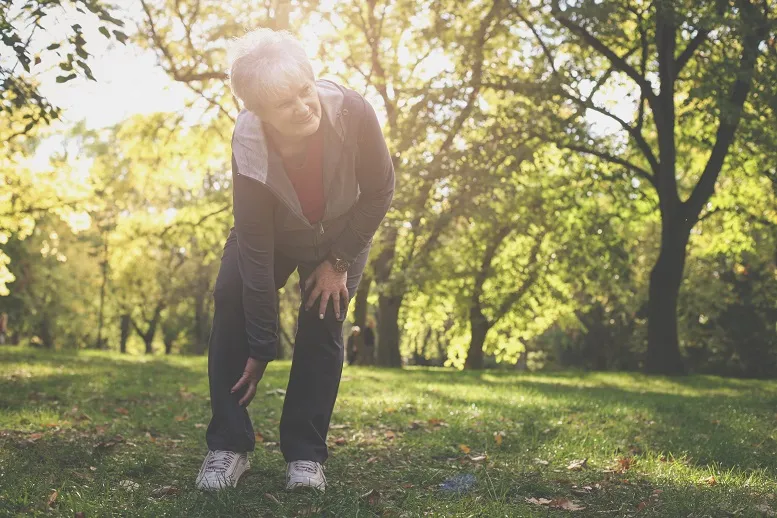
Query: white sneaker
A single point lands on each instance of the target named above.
(221, 468)
(305, 473)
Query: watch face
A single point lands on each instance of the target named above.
(341, 266)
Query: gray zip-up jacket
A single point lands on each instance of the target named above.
(358, 177)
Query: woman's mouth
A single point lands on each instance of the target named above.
(306, 119)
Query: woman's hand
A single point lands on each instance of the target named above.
(253, 372)
(328, 283)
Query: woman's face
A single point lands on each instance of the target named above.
(295, 114)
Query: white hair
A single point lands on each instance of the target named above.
(266, 63)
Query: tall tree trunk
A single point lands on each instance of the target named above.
(360, 317)
(663, 352)
(100, 316)
(169, 344)
(389, 302)
(388, 338)
(479, 326)
(125, 332)
(201, 329)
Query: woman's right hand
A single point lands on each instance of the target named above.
(252, 373)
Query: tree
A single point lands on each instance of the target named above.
(687, 72)
(26, 41)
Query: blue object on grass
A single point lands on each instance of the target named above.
(459, 484)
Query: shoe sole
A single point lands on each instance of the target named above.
(295, 486)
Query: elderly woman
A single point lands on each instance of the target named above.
(312, 181)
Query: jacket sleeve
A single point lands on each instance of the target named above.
(252, 206)
(375, 174)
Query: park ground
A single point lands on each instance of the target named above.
(107, 435)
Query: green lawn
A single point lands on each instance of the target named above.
(110, 433)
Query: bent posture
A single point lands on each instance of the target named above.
(312, 181)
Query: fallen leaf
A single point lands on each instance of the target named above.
(566, 504)
(542, 462)
(539, 501)
(340, 441)
(183, 417)
(498, 436)
(200, 425)
(372, 496)
(34, 436)
(390, 435)
(578, 465)
(407, 485)
(371, 460)
(641, 506)
(478, 458)
(276, 392)
(464, 448)
(122, 410)
(52, 498)
(271, 498)
(79, 514)
(164, 491)
(390, 410)
(129, 485)
(711, 480)
(259, 437)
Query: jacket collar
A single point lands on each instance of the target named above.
(249, 142)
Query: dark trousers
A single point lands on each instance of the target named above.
(315, 369)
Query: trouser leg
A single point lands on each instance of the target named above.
(230, 426)
(315, 373)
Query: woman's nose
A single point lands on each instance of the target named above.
(301, 108)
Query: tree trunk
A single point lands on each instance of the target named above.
(100, 344)
(479, 326)
(388, 339)
(360, 318)
(201, 328)
(169, 344)
(663, 351)
(125, 332)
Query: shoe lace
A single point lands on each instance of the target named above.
(219, 461)
(306, 465)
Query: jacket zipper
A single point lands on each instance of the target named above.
(317, 230)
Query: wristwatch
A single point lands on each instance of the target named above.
(339, 265)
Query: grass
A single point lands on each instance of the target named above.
(107, 433)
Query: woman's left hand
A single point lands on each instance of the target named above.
(328, 283)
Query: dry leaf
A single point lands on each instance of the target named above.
(390, 410)
(542, 462)
(372, 496)
(34, 436)
(200, 425)
(183, 417)
(711, 480)
(566, 504)
(498, 436)
(578, 465)
(464, 448)
(129, 485)
(390, 435)
(641, 506)
(122, 410)
(478, 458)
(340, 441)
(539, 501)
(52, 498)
(270, 497)
(259, 437)
(79, 514)
(164, 491)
